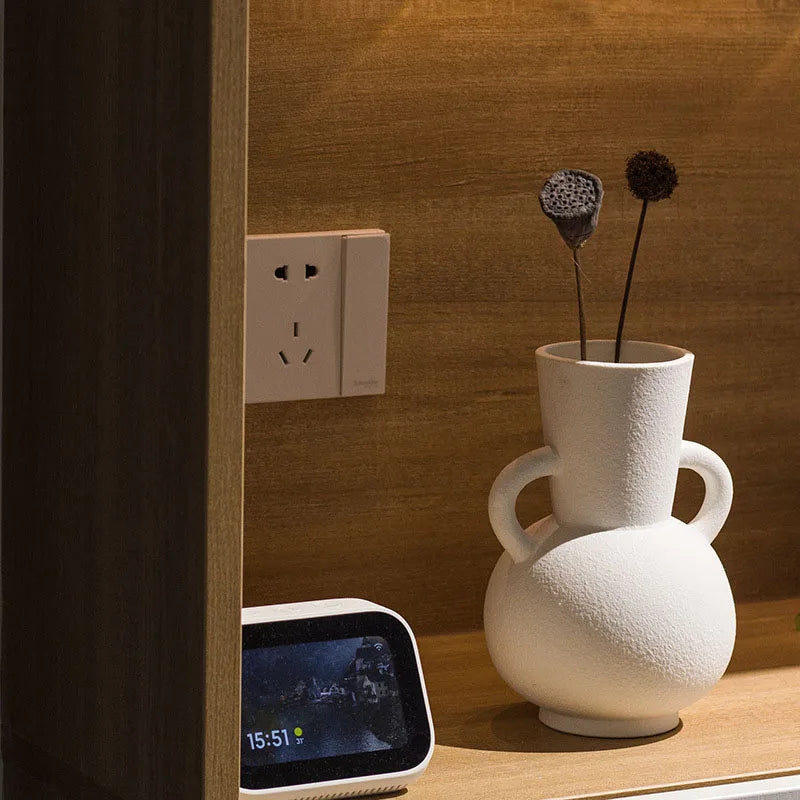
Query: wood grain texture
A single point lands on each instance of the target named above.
(123, 278)
(490, 743)
(766, 635)
(438, 121)
(225, 411)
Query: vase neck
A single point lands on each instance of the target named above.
(617, 432)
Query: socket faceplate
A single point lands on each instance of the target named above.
(316, 311)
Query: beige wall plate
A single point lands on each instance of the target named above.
(316, 313)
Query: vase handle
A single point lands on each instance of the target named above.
(719, 487)
(503, 499)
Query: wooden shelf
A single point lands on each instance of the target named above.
(490, 743)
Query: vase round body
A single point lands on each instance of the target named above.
(611, 615)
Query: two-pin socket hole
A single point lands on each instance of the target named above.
(282, 272)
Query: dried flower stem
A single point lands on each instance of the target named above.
(628, 282)
(581, 318)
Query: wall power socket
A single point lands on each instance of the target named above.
(316, 310)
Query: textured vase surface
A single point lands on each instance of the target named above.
(611, 615)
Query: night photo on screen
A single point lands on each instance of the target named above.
(319, 699)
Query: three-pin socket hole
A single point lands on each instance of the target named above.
(311, 272)
(285, 359)
(295, 333)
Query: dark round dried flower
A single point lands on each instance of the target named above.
(572, 199)
(651, 175)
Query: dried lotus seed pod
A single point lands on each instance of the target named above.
(572, 199)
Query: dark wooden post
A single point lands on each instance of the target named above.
(122, 399)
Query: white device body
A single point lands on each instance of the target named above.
(344, 787)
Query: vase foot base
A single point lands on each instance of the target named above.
(608, 728)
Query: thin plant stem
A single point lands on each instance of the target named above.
(581, 317)
(628, 282)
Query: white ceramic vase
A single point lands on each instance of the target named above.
(611, 615)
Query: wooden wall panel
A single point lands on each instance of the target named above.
(438, 120)
(122, 406)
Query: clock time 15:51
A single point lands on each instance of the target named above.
(276, 738)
